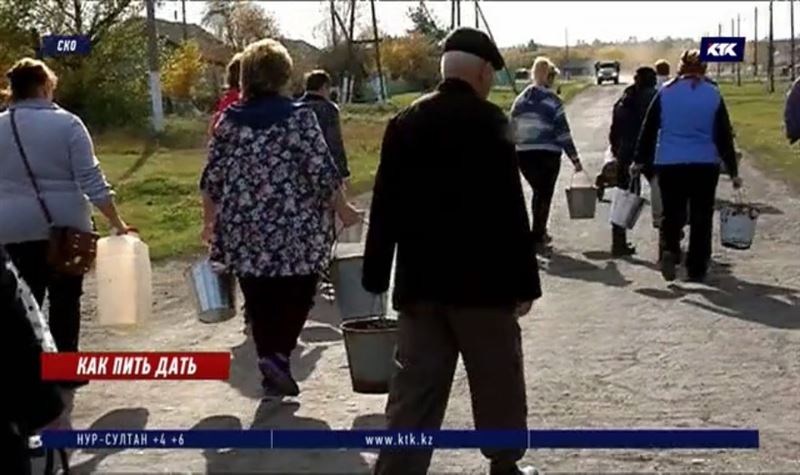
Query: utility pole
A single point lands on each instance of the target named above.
(771, 52)
(791, 17)
(739, 65)
(185, 26)
(155, 78)
(477, 16)
(491, 36)
(452, 14)
(566, 45)
(334, 40)
(377, 51)
(458, 13)
(755, 45)
(350, 77)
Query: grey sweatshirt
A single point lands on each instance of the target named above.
(61, 155)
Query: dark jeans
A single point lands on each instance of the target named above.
(540, 169)
(63, 291)
(695, 186)
(429, 340)
(277, 308)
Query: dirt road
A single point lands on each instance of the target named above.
(610, 345)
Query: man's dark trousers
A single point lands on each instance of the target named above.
(430, 339)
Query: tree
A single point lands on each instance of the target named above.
(413, 58)
(183, 70)
(425, 23)
(239, 23)
(92, 18)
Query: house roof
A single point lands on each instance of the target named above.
(216, 51)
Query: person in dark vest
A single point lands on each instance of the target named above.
(628, 116)
(448, 198)
(686, 134)
(318, 98)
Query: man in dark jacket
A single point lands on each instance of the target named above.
(30, 403)
(318, 98)
(448, 197)
(629, 113)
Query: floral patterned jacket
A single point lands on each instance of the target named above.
(272, 177)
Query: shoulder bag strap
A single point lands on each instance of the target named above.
(27, 164)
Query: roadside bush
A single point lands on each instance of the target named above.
(109, 87)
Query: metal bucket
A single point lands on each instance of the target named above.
(354, 301)
(352, 233)
(581, 200)
(737, 226)
(627, 205)
(213, 291)
(370, 345)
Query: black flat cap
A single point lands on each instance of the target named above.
(473, 41)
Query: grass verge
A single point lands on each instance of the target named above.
(758, 120)
(158, 193)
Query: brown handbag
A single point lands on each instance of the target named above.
(70, 251)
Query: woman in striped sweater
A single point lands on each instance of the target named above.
(542, 134)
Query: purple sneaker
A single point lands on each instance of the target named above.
(278, 374)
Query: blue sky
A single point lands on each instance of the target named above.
(517, 22)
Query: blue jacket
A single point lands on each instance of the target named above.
(687, 123)
(540, 122)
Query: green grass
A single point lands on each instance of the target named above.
(758, 120)
(157, 187)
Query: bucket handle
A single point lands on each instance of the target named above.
(582, 173)
(740, 196)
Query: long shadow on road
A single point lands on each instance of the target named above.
(562, 265)
(727, 295)
(132, 419)
(278, 416)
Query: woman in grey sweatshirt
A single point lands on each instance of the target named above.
(61, 157)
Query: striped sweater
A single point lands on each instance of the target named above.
(540, 122)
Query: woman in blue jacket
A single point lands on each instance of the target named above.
(685, 136)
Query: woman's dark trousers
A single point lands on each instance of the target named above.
(695, 185)
(278, 308)
(540, 169)
(63, 291)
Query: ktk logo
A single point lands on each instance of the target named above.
(722, 49)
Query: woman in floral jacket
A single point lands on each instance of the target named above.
(270, 188)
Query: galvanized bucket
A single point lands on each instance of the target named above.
(370, 345)
(627, 205)
(737, 225)
(581, 199)
(213, 291)
(346, 270)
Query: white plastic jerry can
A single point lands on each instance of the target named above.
(124, 281)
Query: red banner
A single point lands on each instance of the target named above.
(128, 366)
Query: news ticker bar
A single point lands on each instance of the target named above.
(136, 366)
(645, 439)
